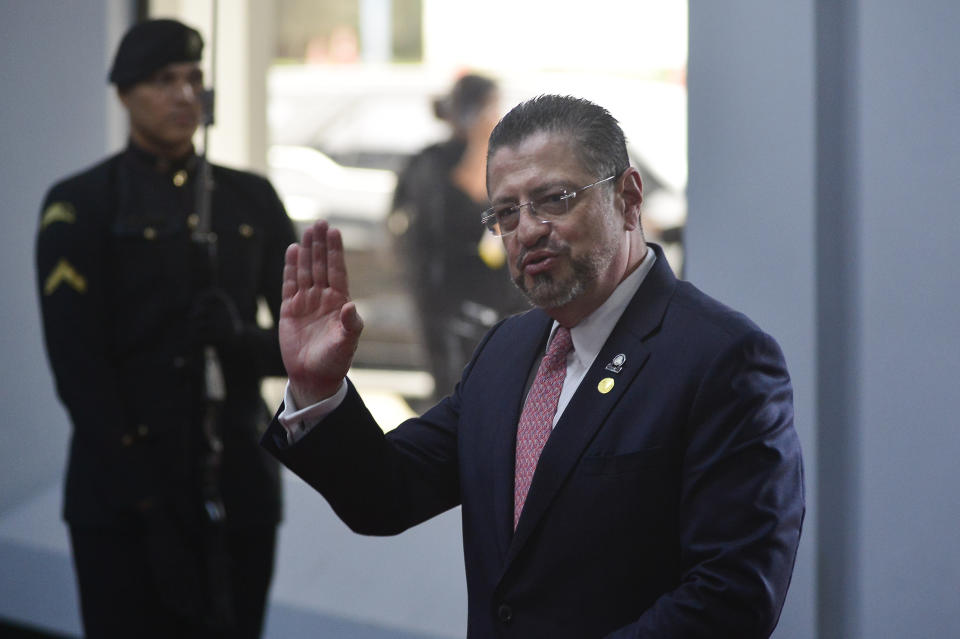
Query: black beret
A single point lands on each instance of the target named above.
(152, 45)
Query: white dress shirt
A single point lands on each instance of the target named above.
(588, 338)
(592, 332)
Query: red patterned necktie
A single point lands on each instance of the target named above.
(536, 421)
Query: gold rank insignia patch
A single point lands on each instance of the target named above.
(64, 273)
(58, 212)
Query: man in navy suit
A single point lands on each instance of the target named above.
(624, 453)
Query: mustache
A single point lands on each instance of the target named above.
(543, 244)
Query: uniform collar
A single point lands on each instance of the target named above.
(592, 332)
(161, 165)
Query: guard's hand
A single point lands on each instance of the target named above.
(319, 326)
(214, 319)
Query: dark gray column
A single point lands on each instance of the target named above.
(838, 303)
(824, 164)
(907, 145)
(752, 203)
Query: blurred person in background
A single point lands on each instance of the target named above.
(172, 505)
(454, 271)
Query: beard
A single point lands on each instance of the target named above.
(547, 291)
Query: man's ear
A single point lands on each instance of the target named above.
(630, 192)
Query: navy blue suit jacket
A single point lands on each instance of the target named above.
(668, 507)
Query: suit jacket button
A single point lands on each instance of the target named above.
(505, 613)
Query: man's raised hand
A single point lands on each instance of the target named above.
(319, 325)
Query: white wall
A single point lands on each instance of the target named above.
(58, 115)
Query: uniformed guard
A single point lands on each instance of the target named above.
(129, 305)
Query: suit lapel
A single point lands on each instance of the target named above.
(589, 407)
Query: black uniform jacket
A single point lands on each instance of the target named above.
(118, 273)
(667, 506)
(439, 245)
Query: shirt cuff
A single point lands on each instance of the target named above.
(299, 422)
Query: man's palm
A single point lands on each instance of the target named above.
(319, 326)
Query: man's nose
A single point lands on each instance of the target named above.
(185, 91)
(530, 228)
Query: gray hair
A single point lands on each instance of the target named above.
(597, 137)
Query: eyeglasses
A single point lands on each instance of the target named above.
(503, 219)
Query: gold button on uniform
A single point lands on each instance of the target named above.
(180, 178)
(150, 233)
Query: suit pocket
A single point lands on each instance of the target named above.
(607, 465)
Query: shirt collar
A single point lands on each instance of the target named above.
(592, 332)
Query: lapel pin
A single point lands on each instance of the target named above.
(605, 385)
(616, 365)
